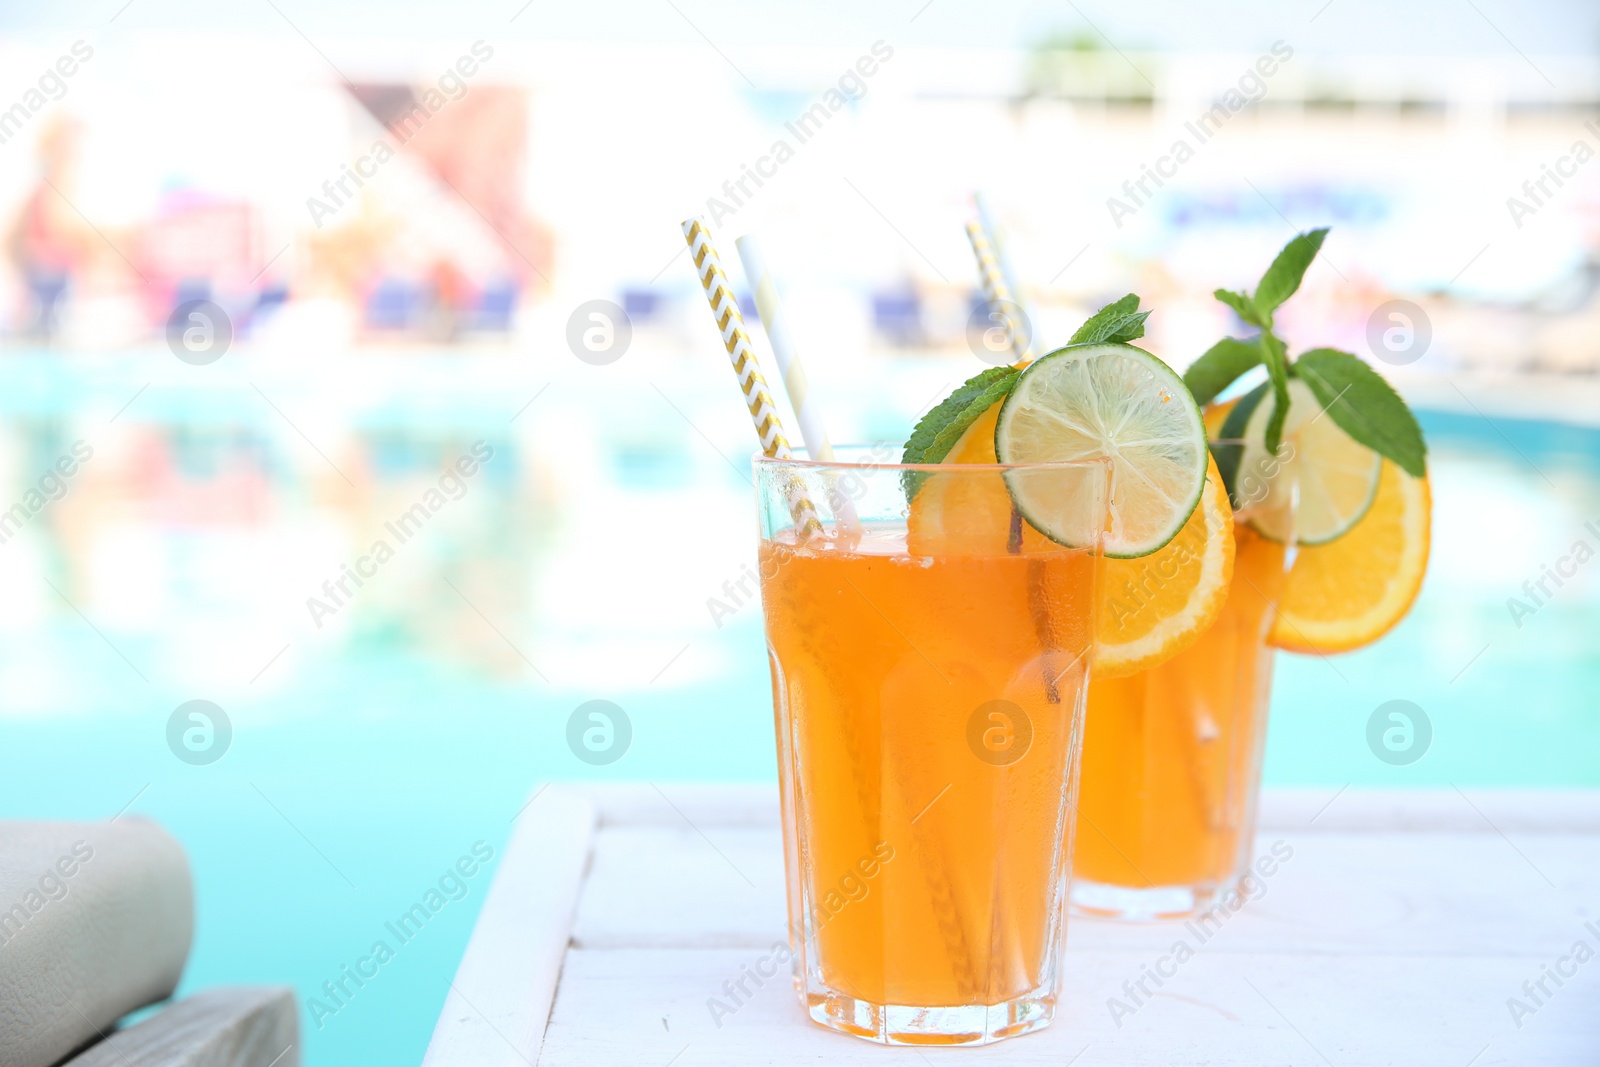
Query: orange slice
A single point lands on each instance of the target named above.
(1150, 608)
(1353, 590)
(964, 515)
(1155, 606)
(1216, 415)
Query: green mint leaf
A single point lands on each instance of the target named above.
(947, 437)
(1219, 366)
(1122, 330)
(1120, 320)
(920, 446)
(938, 431)
(1365, 406)
(1240, 303)
(1229, 449)
(1286, 272)
(1277, 362)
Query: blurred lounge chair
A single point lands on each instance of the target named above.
(897, 316)
(496, 307)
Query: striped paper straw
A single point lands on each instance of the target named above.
(995, 288)
(725, 309)
(806, 410)
(997, 241)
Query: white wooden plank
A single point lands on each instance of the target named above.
(669, 885)
(1470, 811)
(1341, 893)
(1376, 894)
(677, 803)
(1394, 935)
(650, 1007)
(497, 1007)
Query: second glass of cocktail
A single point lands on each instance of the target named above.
(1167, 802)
(1325, 553)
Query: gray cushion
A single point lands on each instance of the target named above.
(96, 920)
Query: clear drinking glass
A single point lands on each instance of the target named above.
(929, 656)
(1172, 755)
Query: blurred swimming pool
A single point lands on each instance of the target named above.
(372, 750)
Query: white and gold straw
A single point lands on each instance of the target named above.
(997, 241)
(807, 411)
(997, 291)
(725, 309)
(793, 371)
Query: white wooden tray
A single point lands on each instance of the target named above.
(1402, 931)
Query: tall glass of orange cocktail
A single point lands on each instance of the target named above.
(930, 627)
(1326, 467)
(1328, 547)
(929, 678)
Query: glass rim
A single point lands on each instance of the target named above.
(799, 459)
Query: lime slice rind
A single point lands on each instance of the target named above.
(1119, 404)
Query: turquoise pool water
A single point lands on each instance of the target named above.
(367, 758)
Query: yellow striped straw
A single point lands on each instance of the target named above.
(725, 309)
(997, 241)
(996, 290)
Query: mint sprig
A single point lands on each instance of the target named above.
(1239, 302)
(1277, 285)
(1283, 278)
(1120, 321)
(1354, 395)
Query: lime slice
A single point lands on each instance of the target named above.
(1115, 402)
(1336, 479)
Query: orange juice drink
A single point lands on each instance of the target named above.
(928, 702)
(1329, 549)
(1172, 755)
